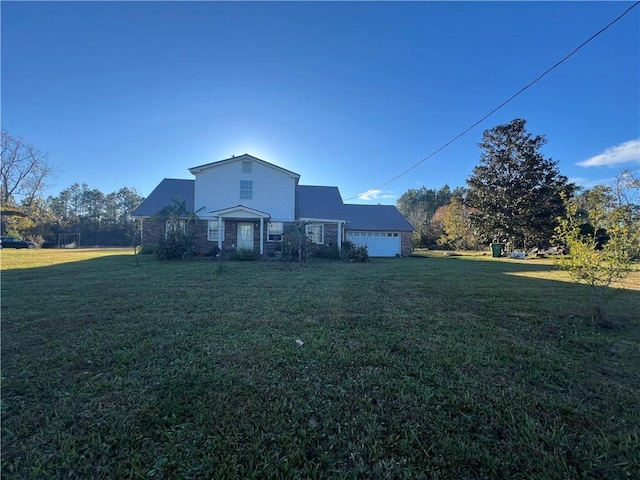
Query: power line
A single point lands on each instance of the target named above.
(530, 84)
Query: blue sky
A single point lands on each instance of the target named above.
(346, 94)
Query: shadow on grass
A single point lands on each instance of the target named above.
(447, 365)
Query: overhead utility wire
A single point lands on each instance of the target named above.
(499, 106)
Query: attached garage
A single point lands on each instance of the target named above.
(379, 244)
(382, 228)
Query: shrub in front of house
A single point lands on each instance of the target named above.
(175, 246)
(296, 245)
(353, 253)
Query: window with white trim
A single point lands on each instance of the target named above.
(213, 231)
(275, 231)
(315, 233)
(246, 189)
(175, 226)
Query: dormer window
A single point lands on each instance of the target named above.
(247, 166)
(246, 189)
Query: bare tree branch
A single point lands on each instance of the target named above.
(23, 171)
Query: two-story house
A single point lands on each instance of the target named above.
(246, 203)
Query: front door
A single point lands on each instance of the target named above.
(245, 236)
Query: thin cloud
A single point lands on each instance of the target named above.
(627, 152)
(580, 181)
(586, 183)
(375, 195)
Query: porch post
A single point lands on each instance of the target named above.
(261, 235)
(339, 236)
(220, 232)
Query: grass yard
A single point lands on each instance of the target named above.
(449, 367)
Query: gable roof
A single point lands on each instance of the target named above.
(318, 202)
(251, 212)
(375, 217)
(161, 196)
(245, 156)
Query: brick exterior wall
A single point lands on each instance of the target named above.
(200, 230)
(330, 234)
(329, 247)
(154, 230)
(230, 240)
(406, 243)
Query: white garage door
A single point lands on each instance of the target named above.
(379, 244)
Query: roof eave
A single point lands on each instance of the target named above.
(224, 211)
(328, 220)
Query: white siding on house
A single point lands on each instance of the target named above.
(273, 191)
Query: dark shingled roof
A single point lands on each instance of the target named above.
(318, 202)
(311, 202)
(162, 195)
(375, 217)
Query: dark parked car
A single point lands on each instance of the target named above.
(12, 242)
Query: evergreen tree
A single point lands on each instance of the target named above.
(515, 193)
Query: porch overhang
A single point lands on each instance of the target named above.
(241, 212)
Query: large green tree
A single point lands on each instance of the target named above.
(515, 193)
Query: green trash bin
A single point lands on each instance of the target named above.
(496, 249)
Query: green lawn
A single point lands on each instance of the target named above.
(441, 367)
